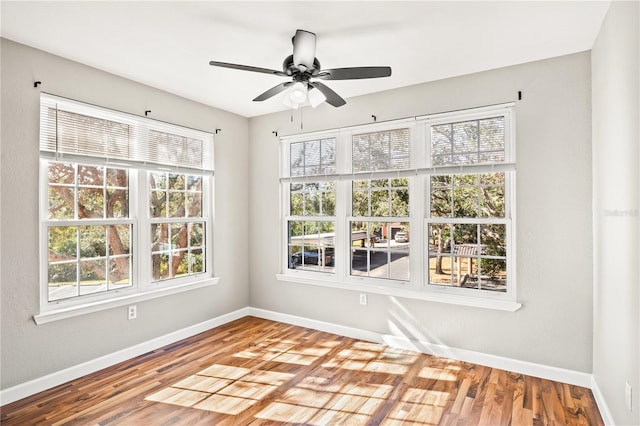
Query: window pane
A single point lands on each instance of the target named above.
(160, 237)
(380, 250)
(90, 203)
(158, 203)
(61, 173)
(119, 272)
(196, 235)
(63, 243)
(311, 245)
(61, 202)
(157, 180)
(90, 175)
(329, 203)
(63, 282)
(360, 203)
(176, 182)
(92, 276)
(194, 204)
(359, 262)
(117, 178)
(400, 202)
(380, 203)
(196, 261)
(297, 204)
(493, 240)
(399, 265)
(119, 239)
(439, 248)
(179, 263)
(178, 235)
(160, 266)
(117, 203)
(312, 203)
(441, 203)
(176, 204)
(194, 183)
(466, 272)
(93, 241)
(494, 275)
(465, 202)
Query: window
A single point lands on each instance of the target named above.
(380, 207)
(125, 205)
(312, 202)
(469, 211)
(418, 208)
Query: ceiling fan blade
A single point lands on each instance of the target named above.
(332, 97)
(273, 91)
(304, 49)
(247, 68)
(354, 73)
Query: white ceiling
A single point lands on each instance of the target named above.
(169, 44)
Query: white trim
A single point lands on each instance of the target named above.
(54, 379)
(607, 417)
(64, 312)
(523, 367)
(402, 289)
(341, 330)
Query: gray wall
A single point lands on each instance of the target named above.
(30, 351)
(616, 193)
(554, 223)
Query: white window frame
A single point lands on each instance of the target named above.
(418, 173)
(143, 287)
(508, 167)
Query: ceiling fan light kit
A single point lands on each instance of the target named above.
(301, 67)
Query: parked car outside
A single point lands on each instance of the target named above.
(311, 257)
(401, 237)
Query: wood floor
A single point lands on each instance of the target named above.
(253, 371)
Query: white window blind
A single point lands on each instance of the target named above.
(377, 151)
(76, 131)
(468, 142)
(311, 158)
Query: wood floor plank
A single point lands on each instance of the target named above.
(259, 372)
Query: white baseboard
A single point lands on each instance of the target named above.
(607, 418)
(538, 370)
(54, 379)
(523, 367)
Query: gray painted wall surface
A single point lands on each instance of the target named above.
(30, 351)
(554, 222)
(616, 201)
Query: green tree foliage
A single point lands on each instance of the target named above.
(87, 192)
(469, 196)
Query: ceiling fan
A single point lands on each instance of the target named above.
(303, 66)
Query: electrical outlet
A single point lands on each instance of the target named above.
(628, 394)
(132, 312)
(363, 299)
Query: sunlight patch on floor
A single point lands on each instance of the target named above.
(222, 388)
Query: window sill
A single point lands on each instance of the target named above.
(431, 296)
(63, 312)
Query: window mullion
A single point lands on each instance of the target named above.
(142, 260)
